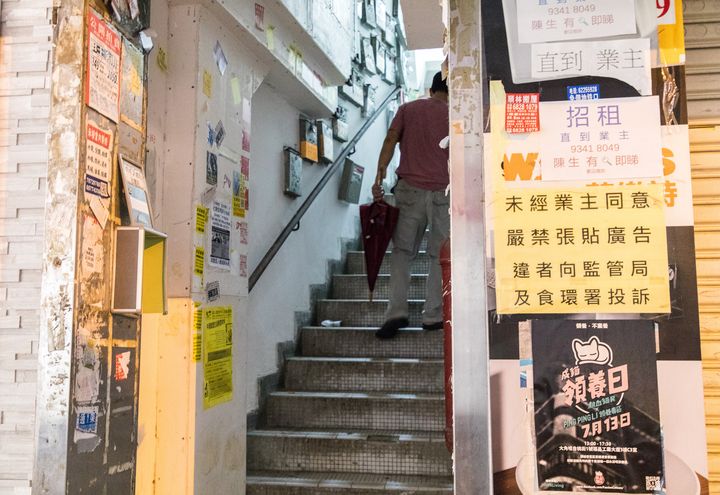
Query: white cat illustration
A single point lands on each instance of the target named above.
(592, 351)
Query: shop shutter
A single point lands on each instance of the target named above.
(702, 39)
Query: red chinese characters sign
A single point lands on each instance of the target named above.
(102, 84)
(522, 113)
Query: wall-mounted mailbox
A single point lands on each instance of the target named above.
(139, 285)
(351, 182)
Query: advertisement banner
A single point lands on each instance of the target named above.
(595, 423)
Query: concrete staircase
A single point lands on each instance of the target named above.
(357, 416)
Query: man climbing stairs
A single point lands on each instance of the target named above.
(357, 416)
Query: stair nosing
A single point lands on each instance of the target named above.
(369, 329)
(363, 360)
(331, 479)
(357, 395)
(423, 436)
(410, 301)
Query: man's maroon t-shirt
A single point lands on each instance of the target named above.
(422, 124)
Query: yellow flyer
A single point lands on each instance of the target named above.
(217, 355)
(197, 334)
(581, 250)
(671, 32)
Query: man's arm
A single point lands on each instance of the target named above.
(386, 153)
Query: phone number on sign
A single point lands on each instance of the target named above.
(589, 148)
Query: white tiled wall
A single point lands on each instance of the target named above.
(25, 54)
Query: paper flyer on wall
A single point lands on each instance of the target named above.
(217, 330)
(103, 73)
(595, 420)
(220, 235)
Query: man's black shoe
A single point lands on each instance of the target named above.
(433, 326)
(390, 328)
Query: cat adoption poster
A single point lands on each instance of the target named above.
(595, 420)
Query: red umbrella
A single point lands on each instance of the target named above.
(378, 220)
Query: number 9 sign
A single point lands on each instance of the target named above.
(665, 11)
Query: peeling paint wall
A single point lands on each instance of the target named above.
(59, 263)
(25, 56)
(471, 414)
(88, 373)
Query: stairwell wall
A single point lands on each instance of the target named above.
(282, 296)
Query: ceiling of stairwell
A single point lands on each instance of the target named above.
(423, 23)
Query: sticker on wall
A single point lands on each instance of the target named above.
(207, 83)
(583, 92)
(236, 198)
(220, 236)
(242, 228)
(102, 90)
(161, 60)
(197, 333)
(199, 264)
(201, 216)
(220, 59)
(219, 133)
(246, 112)
(211, 169)
(235, 90)
(522, 112)
(122, 366)
(213, 291)
(243, 266)
(270, 38)
(87, 417)
(246, 140)
(259, 17)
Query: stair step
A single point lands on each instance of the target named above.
(320, 451)
(356, 263)
(311, 483)
(355, 286)
(357, 313)
(361, 342)
(367, 411)
(364, 375)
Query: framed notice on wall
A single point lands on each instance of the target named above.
(137, 198)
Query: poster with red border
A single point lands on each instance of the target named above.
(102, 82)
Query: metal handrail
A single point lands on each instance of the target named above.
(294, 222)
